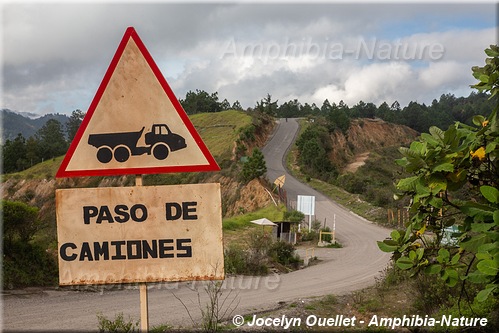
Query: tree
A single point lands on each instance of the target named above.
(225, 105)
(289, 109)
(24, 263)
(363, 110)
(454, 185)
(200, 102)
(395, 107)
(326, 106)
(237, 106)
(51, 140)
(267, 106)
(14, 153)
(255, 166)
(338, 118)
(416, 117)
(385, 112)
(313, 147)
(74, 123)
(32, 151)
(310, 110)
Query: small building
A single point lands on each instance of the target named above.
(286, 231)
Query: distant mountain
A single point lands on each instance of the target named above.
(29, 115)
(16, 122)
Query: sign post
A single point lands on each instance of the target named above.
(144, 302)
(144, 307)
(334, 229)
(139, 234)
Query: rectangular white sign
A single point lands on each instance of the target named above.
(139, 234)
(306, 204)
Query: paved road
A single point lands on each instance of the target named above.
(342, 270)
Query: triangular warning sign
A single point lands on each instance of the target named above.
(135, 124)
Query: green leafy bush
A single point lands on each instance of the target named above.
(293, 216)
(235, 260)
(443, 163)
(25, 264)
(260, 253)
(284, 253)
(309, 235)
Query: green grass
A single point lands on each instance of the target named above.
(237, 229)
(44, 170)
(220, 130)
(239, 222)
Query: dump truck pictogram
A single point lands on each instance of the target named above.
(160, 141)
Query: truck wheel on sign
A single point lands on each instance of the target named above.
(160, 151)
(104, 154)
(121, 153)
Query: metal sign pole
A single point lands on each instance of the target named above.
(144, 306)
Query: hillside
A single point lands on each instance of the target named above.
(14, 123)
(222, 133)
(366, 135)
(228, 135)
(356, 167)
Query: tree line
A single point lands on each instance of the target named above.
(420, 117)
(50, 141)
(53, 138)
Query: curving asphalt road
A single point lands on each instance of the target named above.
(341, 271)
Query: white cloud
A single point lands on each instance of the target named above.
(372, 83)
(441, 74)
(244, 51)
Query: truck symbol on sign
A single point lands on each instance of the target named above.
(160, 142)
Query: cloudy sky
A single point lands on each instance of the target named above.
(55, 55)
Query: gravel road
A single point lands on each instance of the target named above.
(340, 271)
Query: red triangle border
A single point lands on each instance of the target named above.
(62, 172)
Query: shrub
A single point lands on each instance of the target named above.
(436, 178)
(284, 253)
(308, 235)
(20, 222)
(379, 196)
(488, 309)
(235, 260)
(431, 293)
(25, 265)
(118, 324)
(316, 225)
(261, 251)
(293, 216)
(254, 259)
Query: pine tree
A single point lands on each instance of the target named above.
(255, 166)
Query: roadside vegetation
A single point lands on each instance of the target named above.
(29, 237)
(445, 257)
(446, 177)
